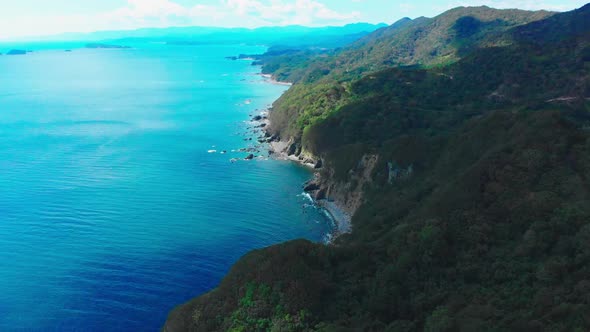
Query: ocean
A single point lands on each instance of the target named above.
(116, 203)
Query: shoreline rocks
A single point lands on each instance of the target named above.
(319, 189)
(311, 187)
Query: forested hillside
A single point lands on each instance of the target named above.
(470, 148)
(424, 42)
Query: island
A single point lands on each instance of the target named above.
(100, 45)
(17, 52)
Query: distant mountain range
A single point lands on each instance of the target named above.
(332, 36)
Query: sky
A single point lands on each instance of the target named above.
(27, 18)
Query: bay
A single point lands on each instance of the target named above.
(113, 208)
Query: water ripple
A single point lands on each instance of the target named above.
(111, 210)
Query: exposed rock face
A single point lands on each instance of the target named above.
(318, 164)
(396, 172)
(348, 194)
(323, 186)
(320, 194)
(311, 186)
(293, 149)
(249, 157)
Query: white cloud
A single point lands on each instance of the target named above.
(406, 7)
(307, 12)
(520, 4)
(152, 8)
(161, 13)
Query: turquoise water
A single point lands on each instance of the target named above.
(112, 210)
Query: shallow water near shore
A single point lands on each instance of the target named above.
(112, 207)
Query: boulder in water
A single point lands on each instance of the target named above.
(311, 186)
(318, 164)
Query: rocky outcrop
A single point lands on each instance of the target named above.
(311, 186)
(320, 194)
(318, 164)
(396, 172)
(347, 195)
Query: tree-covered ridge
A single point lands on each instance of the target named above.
(575, 24)
(476, 214)
(423, 42)
(392, 102)
(439, 40)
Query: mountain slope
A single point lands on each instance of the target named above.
(424, 42)
(574, 24)
(439, 40)
(427, 41)
(474, 214)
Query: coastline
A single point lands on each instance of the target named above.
(272, 80)
(342, 220)
(280, 150)
(335, 211)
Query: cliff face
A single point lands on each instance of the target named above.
(470, 190)
(347, 195)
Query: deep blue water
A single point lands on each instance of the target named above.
(112, 211)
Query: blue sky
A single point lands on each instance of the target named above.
(21, 18)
